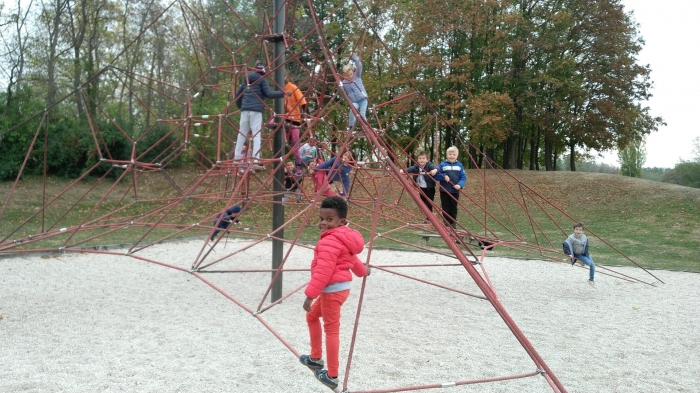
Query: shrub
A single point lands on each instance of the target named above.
(684, 174)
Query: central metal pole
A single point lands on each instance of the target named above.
(278, 146)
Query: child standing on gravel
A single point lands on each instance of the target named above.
(576, 247)
(335, 256)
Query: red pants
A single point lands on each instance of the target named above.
(327, 306)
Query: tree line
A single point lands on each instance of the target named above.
(525, 81)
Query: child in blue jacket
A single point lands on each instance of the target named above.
(452, 179)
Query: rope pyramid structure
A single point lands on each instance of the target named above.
(150, 197)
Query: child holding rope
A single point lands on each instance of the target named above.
(335, 256)
(293, 178)
(294, 106)
(424, 171)
(354, 88)
(338, 169)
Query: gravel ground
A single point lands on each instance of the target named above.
(110, 323)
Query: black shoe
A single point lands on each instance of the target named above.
(322, 375)
(310, 363)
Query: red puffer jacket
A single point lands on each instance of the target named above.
(335, 256)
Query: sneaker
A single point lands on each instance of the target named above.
(591, 283)
(322, 375)
(310, 363)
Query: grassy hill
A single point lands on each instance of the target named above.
(654, 224)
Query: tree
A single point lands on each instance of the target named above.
(632, 158)
(16, 40)
(684, 174)
(696, 149)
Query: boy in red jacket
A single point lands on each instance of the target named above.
(335, 256)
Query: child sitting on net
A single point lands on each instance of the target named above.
(576, 247)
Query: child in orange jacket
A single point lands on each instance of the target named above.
(294, 106)
(335, 256)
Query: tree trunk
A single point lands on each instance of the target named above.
(77, 38)
(509, 152)
(549, 154)
(537, 148)
(449, 138)
(533, 149)
(477, 157)
(522, 143)
(54, 35)
(572, 156)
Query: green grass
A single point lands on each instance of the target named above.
(654, 224)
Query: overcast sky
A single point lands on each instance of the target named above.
(671, 31)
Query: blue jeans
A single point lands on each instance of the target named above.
(588, 261)
(361, 107)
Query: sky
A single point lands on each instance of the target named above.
(671, 31)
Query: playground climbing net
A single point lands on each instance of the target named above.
(180, 175)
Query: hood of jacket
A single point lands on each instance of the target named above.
(254, 76)
(350, 238)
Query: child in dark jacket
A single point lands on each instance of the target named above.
(576, 247)
(452, 179)
(230, 215)
(424, 179)
(249, 98)
(293, 177)
(335, 256)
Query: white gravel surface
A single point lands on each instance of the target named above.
(111, 323)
